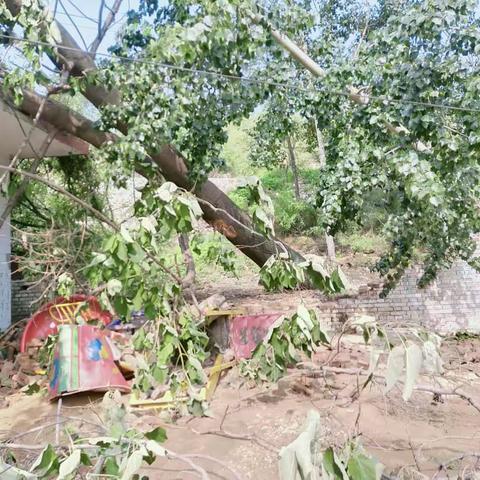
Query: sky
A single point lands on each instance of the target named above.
(80, 17)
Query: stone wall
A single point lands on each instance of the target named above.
(449, 304)
(24, 299)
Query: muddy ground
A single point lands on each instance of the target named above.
(250, 424)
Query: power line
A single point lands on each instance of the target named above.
(83, 15)
(238, 78)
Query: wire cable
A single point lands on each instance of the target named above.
(251, 80)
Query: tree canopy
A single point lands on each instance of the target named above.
(397, 103)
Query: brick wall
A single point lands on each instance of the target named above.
(24, 296)
(449, 304)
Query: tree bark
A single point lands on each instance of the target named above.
(219, 211)
(293, 166)
(184, 244)
(329, 241)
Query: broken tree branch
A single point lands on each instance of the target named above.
(314, 372)
(99, 215)
(171, 163)
(184, 458)
(237, 436)
(214, 460)
(357, 96)
(102, 29)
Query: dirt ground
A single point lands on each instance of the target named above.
(250, 424)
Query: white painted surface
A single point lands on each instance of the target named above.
(12, 134)
(13, 131)
(5, 275)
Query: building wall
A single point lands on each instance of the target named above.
(25, 299)
(450, 304)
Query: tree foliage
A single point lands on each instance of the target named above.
(418, 66)
(187, 70)
(195, 66)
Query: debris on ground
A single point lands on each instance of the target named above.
(248, 424)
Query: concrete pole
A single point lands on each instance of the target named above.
(331, 254)
(5, 271)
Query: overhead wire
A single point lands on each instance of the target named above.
(81, 12)
(228, 76)
(74, 25)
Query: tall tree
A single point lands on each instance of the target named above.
(396, 100)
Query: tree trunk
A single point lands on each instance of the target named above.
(293, 166)
(322, 159)
(219, 211)
(184, 244)
(331, 254)
(330, 243)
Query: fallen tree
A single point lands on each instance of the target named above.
(218, 209)
(174, 76)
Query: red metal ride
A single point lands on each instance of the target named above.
(60, 311)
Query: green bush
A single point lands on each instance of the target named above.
(363, 242)
(292, 216)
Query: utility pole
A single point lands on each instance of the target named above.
(293, 166)
(331, 254)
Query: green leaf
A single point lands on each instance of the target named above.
(153, 447)
(132, 465)
(414, 364)
(111, 244)
(360, 467)
(296, 459)
(111, 467)
(196, 408)
(126, 234)
(46, 463)
(10, 472)
(69, 465)
(149, 223)
(32, 388)
(330, 465)
(339, 280)
(122, 252)
(432, 360)
(395, 366)
(165, 192)
(158, 435)
(85, 459)
(114, 286)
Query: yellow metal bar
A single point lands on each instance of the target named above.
(65, 312)
(218, 368)
(214, 376)
(167, 401)
(211, 314)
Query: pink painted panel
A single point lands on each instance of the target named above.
(247, 331)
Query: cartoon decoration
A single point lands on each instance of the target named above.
(247, 331)
(84, 361)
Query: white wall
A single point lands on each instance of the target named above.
(12, 135)
(5, 275)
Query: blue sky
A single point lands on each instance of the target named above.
(79, 10)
